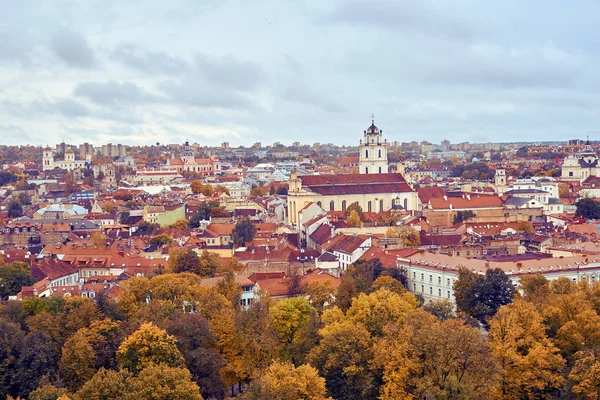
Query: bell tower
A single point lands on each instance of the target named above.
(372, 151)
(47, 159)
(500, 180)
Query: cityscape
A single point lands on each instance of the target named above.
(259, 201)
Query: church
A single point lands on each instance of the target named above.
(68, 164)
(582, 165)
(374, 188)
(188, 162)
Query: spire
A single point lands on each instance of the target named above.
(588, 140)
(373, 118)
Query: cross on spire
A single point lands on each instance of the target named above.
(372, 117)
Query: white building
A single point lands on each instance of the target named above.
(68, 164)
(372, 151)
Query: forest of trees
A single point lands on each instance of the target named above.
(169, 337)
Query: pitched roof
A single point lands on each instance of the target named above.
(348, 244)
(355, 183)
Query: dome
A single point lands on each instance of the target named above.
(475, 159)
(69, 150)
(47, 148)
(372, 130)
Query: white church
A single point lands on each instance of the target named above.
(68, 164)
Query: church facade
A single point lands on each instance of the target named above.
(582, 165)
(188, 162)
(68, 164)
(373, 188)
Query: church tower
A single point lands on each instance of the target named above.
(187, 155)
(372, 151)
(47, 159)
(500, 180)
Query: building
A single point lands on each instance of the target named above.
(188, 162)
(85, 149)
(113, 150)
(68, 164)
(582, 165)
(373, 151)
(373, 192)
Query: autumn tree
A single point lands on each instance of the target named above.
(243, 232)
(285, 381)
(357, 208)
(181, 224)
(78, 361)
(288, 317)
(106, 384)
(161, 240)
(525, 227)
(320, 294)
(98, 239)
(586, 375)
(358, 278)
(409, 236)
(530, 364)
(149, 345)
(199, 188)
(163, 382)
(15, 209)
(13, 277)
(353, 220)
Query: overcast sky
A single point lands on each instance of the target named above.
(309, 71)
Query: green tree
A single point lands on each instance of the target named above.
(243, 232)
(13, 277)
(481, 296)
(15, 209)
(78, 362)
(588, 209)
(288, 318)
(149, 345)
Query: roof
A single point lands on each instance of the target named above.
(355, 183)
(321, 234)
(349, 244)
(466, 202)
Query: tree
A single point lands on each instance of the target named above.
(199, 188)
(149, 345)
(288, 317)
(78, 361)
(342, 358)
(13, 277)
(181, 224)
(161, 240)
(11, 338)
(525, 227)
(320, 294)
(183, 260)
(243, 232)
(355, 207)
(481, 296)
(15, 209)
(163, 382)
(98, 239)
(24, 198)
(462, 216)
(518, 340)
(353, 220)
(258, 191)
(410, 237)
(442, 309)
(358, 278)
(586, 375)
(106, 384)
(7, 177)
(48, 392)
(222, 189)
(285, 381)
(588, 209)
(38, 358)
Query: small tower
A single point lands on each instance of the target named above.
(372, 156)
(187, 155)
(47, 159)
(69, 155)
(500, 180)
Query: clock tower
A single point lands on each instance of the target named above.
(372, 151)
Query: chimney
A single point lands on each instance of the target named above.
(445, 197)
(468, 196)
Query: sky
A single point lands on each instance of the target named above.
(141, 72)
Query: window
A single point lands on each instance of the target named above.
(343, 205)
(422, 277)
(431, 290)
(422, 289)
(570, 173)
(414, 287)
(448, 282)
(406, 204)
(414, 275)
(366, 170)
(366, 153)
(331, 206)
(439, 280)
(319, 203)
(380, 205)
(379, 169)
(430, 278)
(380, 157)
(369, 206)
(448, 294)
(440, 292)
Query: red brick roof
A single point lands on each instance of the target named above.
(348, 244)
(355, 183)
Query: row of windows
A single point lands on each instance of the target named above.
(344, 205)
(439, 279)
(439, 293)
(378, 155)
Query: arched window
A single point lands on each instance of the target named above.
(331, 205)
(406, 204)
(319, 203)
(366, 170)
(366, 153)
(381, 205)
(379, 169)
(379, 153)
(571, 173)
(369, 206)
(343, 205)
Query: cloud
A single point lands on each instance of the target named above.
(13, 134)
(197, 93)
(439, 20)
(148, 61)
(66, 107)
(72, 48)
(114, 93)
(228, 71)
